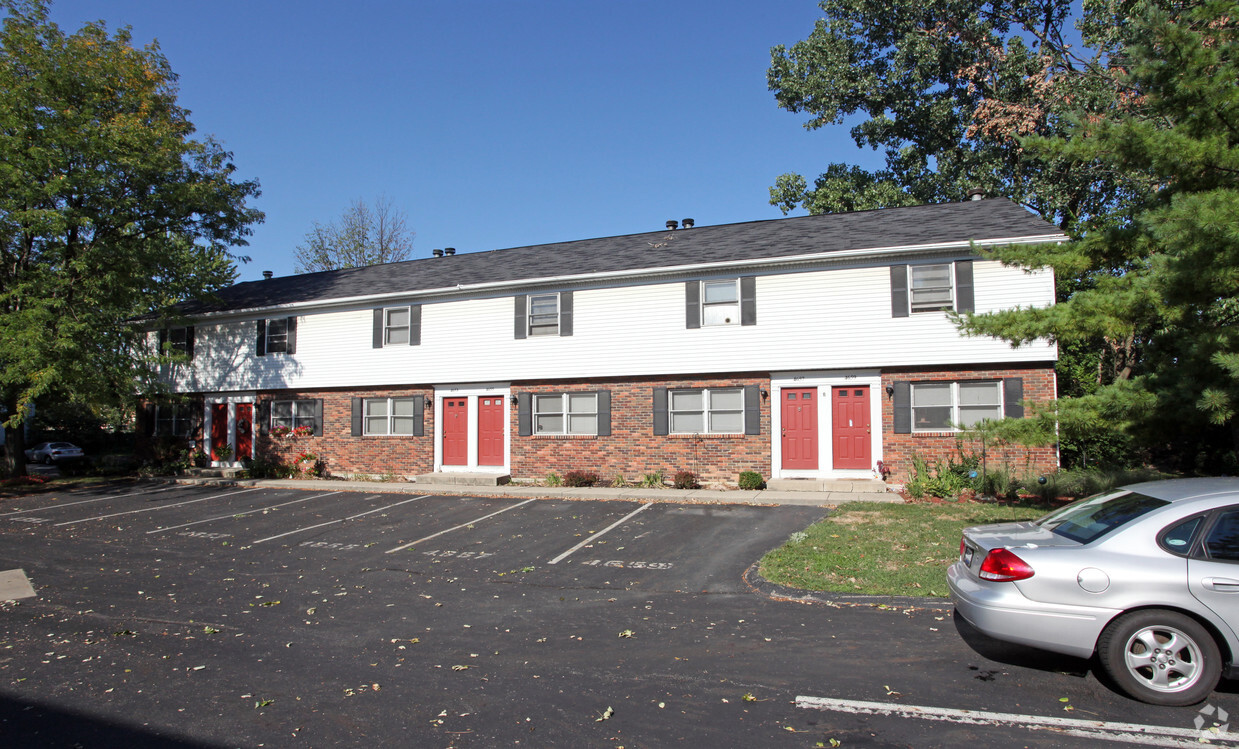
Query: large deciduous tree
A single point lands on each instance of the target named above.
(362, 236)
(110, 210)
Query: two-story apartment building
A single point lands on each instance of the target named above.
(800, 347)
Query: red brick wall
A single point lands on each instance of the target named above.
(343, 453)
(899, 449)
(632, 449)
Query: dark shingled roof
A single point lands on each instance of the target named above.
(754, 240)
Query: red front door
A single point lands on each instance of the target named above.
(455, 431)
(219, 427)
(850, 406)
(800, 428)
(490, 431)
(245, 430)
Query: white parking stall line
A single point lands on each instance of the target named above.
(89, 501)
(599, 534)
(340, 520)
(456, 528)
(1135, 733)
(160, 507)
(240, 514)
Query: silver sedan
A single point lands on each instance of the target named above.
(1145, 577)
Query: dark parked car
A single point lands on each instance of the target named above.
(53, 452)
(1145, 577)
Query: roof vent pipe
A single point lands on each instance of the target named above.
(976, 194)
(672, 224)
(449, 250)
(267, 274)
(437, 253)
(688, 223)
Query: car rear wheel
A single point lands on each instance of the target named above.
(47, 459)
(1160, 657)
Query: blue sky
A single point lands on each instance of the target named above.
(491, 124)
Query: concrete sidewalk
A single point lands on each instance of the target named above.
(637, 494)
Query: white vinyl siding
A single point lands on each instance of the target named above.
(946, 406)
(389, 416)
(566, 413)
(707, 411)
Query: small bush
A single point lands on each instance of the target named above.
(580, 478)
(686, 480)
(553, 479)
(751, 480)
(263, 468)
(619, 481)
(652, 480)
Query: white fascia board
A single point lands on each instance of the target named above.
(652, 272)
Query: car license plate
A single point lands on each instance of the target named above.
(968, 556)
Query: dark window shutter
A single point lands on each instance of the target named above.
(604, 413)
(524, 414)
(318, 416)
(376, 336)
(148, 419)
(292, 335)
(692, 305)
(963, 287)
(264, 417)
(565, 313)
(899, 291)
(415, 325)
(419, 415)
(660, 411)
(195, 418)
(357, 426)
(748, 301)
(1013, 397)
(261, 347)
(903, 407)
(520, 327)
(163, 340)
(752, 409)
(189, 342)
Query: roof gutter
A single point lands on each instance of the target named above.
(835, 255)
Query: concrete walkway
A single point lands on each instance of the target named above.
(637, 494)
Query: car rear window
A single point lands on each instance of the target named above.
(1091, 518)
(60, 445)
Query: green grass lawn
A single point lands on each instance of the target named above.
(882, 548)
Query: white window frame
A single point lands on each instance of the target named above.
(707, 409)
(541, 328)
(182, 416)
(708, 306)
(544, 405)
(388, 328)
(956, 408)
(276, 343)
(931, 306)
(296, 416)
(389, 417)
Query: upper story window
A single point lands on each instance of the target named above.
(277, 335)
(931, 287)
(730, 301)
(179, 340)
(707, 411)
(947, 406)
(391, 415)
(566, 413)
(398, 326)
(543, 314)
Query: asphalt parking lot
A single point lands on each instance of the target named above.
(210, 617)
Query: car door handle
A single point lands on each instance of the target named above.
(1221, 584)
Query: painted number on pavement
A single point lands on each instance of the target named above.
(628, 565)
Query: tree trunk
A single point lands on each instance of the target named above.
(14, 442)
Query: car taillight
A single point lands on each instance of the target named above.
(1002, 566)
(962, 547)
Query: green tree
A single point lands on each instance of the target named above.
(362, 236)
(1165, 269)
(109, 211)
